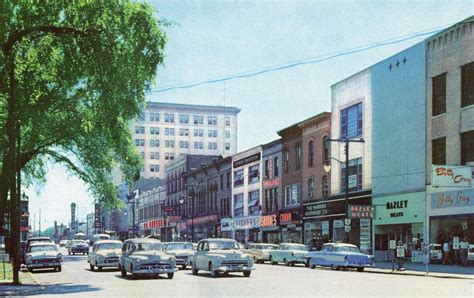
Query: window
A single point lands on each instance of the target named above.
(275, 167)
(154, 130)
(227, 146)
(227, 121)
(439, 151)
(351, 121)
(326, 148)
(467, 147)
(239, 205)
(169, 144)
(141, 117)
(355, 175)
(171, 156)
(227, 134)
(311, 153)
(139, 142)
(198, 132)
(298, 156)
(222, 181)
(183, 144)
(169, 118)
(167, 156)
(439, 94)
(212, 133)
(228, 180)
(198, 119)
(212, 120)
(142, 154)
(154, 155)
(275, 198)
(267, 169)
(184, 119)
(154, 117)
(287, 160)
(201, 145)
(239, 178)
(292, 195)
(154, 143)
(154, 168)
(254, 173)
(467, 84)
(253, 203)
(140, 129)
(310, 187)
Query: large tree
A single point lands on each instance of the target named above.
(81, 70)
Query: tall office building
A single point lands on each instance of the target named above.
(165, 130)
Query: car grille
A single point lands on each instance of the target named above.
(234, 262)
(41, 261)
(111, 260)
(154, 266)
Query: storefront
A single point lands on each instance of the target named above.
(269, 226)
(247, 229)
(204, 227)
(291, 227)
(399, 218)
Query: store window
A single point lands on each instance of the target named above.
(239, 205)
(467, 84)
(292, 195)
(355, 175)
(467, 147)
(351, 121)
(439, 151)
(439, 94)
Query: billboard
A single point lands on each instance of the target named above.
(451, 176)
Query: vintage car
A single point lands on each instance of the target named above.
(340, 255)
(436, 253)
(63, 242)
(261, 251)
(78, 246)
(182, 251)
(470, 253)
(43, 255)
(145, 256)
(105, 253)
(30, 241)
(288, 253)
(221, 255)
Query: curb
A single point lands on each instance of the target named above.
(34, 278)
(420, 274)
(22, 292)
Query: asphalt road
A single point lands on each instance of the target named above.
(267, 280)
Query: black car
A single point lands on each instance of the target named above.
(78, 246)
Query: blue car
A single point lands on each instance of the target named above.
(340, 255)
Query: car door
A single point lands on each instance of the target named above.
(92, 257)
(200, 254)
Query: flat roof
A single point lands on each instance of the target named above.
(192, 107)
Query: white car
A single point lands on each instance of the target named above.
(63, 242)
(182, 251)
(43, 255)
(290, 254)
(146, 256)
(221, 255)
(105, 253)
(470, 253)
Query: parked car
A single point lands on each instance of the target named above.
(105, 253)
(436, 253)
(340, 255)
(97, 237)
(78, 246)
(221, 255)
(261, 251)
(182, 251)
(470, 253)
(43, 255)
(146, 256)
(63, 242)
(288, 253)
(30, 241)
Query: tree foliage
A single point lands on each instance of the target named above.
(82, 69)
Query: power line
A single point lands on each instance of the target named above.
(293, 64)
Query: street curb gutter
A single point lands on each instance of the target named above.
(420, 274)
(21, 292)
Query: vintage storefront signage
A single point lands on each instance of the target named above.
(460, 198)
(269, 220)
(361, 211)
(271, 183)
(202, 220)
(289, 218)
(226, 224)
(332, 207)
(246, 160)
(247, 222)
(451, 176)
(315, 210)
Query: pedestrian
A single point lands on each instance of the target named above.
(400, 254)
(463, 251)
(446, 253)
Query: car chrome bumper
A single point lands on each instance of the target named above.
(154, 271)
(114, 264)
(235, 268)
(43, 265)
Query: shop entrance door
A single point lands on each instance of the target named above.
(403, 233)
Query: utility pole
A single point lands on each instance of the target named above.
(34, 225)
(39, 224)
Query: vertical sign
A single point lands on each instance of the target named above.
(97, 222)
(73, 216)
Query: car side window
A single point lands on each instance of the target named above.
(199, 247)
(94, 248)
(206, 246)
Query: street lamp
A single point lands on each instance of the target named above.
(131, 199)
(327, 168)
(181, 201)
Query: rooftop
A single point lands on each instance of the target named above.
(191, 107)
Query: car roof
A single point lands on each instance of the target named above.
(288, 243)
(218, 239)
(108, 241)
(42, 243)
(38, 238)
(166, 243)
(142, 240)
(345, 244)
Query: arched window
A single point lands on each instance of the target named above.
(324, 186)
(310, 187)
(311, 153)
(325, 149)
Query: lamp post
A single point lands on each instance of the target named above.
(131, 199)
(327, 168)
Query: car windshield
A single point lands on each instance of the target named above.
(269, 246)
(347, 248)
(174, 246)
(146, 246)
(109, 246)
(213, 245)
(297, 247)
(43, 248)
(78, 242)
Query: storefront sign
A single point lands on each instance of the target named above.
(325, 227)
(315, 210)
(202, 220)
(246, 160)
(456, 242)
(248, 222)
(400, 251)
(451, 176)
(289, 218)
(338, 223)
(361, 211)
(459, 198)
(181, 226)
(332, 207)
(271, 183)
(269, 220)
(392, 244)
(226, 224)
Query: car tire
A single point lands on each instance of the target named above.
(91, 267)
(195, 271)
(286, 262)
(247, 273)
(170, 275)
(183, 266)
(360, 269)
(334, 267)
(213, 272)
(271, 261)
(292, 264)
(59, 269)
(306, 264)
(312, 266)
(99, 268)
(123, 272)
(69, 253)
(73, 253)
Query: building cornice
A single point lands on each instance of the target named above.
(192, 108)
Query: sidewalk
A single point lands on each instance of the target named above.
(419, 269)
(28, 285)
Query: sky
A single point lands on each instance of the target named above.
(215, 39)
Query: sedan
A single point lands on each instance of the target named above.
(43, 255)
(78, 246)
(340, 255)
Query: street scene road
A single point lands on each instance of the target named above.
(76, 279)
